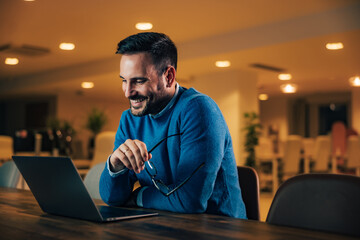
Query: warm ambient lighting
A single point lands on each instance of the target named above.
(334, 46)
(143, 26)
(87, 84)
(355, 81)
(263, 97)
(288, 88)
(67, 46)
(222, 64)
(11, 61)
(285, 76)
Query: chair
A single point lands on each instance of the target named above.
(9, 175)
(92, 180)
(6, 148)
(308, 145)
(104, 144)
(264, 154)
(249, 184)
(292, 154)
(324, 202)
(322, 153)
(353, 153)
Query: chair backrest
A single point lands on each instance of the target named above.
(104, 144)
(6, 148)
(322, 153)
(249, 184)
(292, 154)
(353, 151)
(92, 180)
(264, 149)
(308, 145)
(325, 202)
(9, 174)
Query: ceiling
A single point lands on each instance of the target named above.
(290, 35)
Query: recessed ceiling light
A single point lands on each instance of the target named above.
(67, 46)
(11, 61)
(288, 88)
(334, 46)
(285, 76)
(29, 0)
(263, 97)
(355, 81)
(144, 26)
(87, 84)
(222, 64)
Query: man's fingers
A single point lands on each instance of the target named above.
(132, 154)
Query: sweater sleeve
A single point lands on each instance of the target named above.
(115, 189)
(203, 141)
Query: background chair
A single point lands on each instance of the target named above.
(308, 145)
(325, 202)
(292, 155)
(322, 153)
(266, 161)
(353, 153)
(6, 148)
(92, 180)
(249, 184)
(104, 144)
(9, 175)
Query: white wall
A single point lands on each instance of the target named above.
(235, 93)
(355, 108)
(273, 112)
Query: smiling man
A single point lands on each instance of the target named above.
(190, 167)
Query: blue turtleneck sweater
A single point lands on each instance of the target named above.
(205, 138)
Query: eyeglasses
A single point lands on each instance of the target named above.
(160, 185)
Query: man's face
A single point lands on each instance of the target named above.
(142, 85)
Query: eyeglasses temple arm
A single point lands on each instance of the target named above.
(162, 141)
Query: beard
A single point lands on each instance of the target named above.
(140, 111)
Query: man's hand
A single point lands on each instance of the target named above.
(132, 154)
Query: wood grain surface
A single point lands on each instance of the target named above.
(22, 218)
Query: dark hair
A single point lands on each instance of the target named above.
(160, 47)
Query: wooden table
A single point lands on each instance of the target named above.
(21, 218)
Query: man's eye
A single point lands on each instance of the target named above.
(140, 81)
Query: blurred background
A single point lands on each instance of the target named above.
(315, 43)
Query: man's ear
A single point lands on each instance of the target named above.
(170, 75)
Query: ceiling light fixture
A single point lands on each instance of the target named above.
(355, 81)
(87, 84)
(334, 46)
(67, 46)
(222, 64)
(143, 26)
(11, 61)
(263, 97)
(288, 88)
(285, 76)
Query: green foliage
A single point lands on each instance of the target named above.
(252, 128)
(55, 123)
(96, 120)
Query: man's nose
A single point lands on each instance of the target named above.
(128, 90)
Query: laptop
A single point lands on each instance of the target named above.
(59, 190)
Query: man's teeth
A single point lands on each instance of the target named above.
(139, 100)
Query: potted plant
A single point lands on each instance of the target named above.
(95, 122)
(252, 128)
